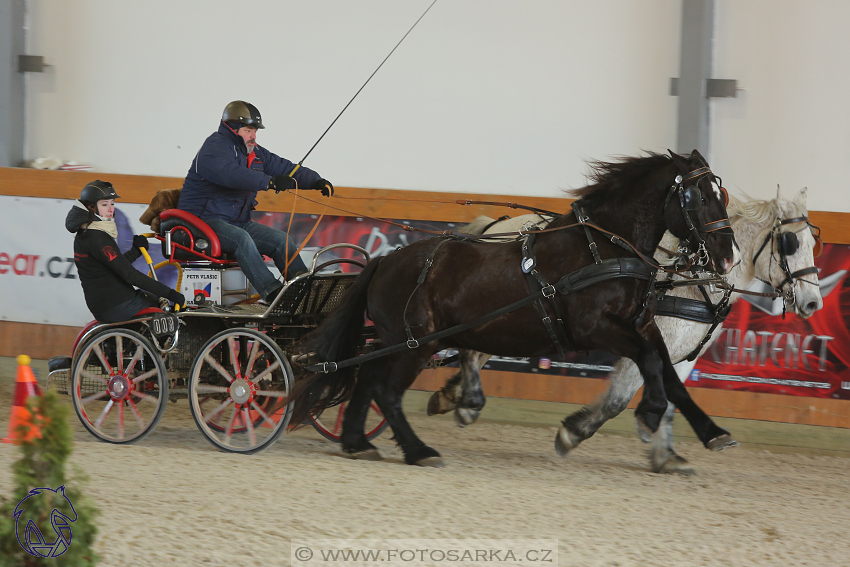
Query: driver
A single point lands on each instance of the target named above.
(107, 276)
(221, 189)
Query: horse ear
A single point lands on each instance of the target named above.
(680, 161)
(698, 156)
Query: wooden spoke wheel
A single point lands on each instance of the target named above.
(238, 391)
(119, 386)
(329, 422)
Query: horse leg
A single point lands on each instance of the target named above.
(712, 436)
(353, 438)
(650, 362)
(463, 389)
(472, 398)
(625, 381)
(445, 399)
(662, 457)
(401, 371)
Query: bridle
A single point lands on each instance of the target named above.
(787, 244)
(690, 199)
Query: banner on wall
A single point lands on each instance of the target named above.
(38, 277)
(757, 350)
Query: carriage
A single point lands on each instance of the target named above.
(231, 358)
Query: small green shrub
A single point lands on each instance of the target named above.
(45, 441)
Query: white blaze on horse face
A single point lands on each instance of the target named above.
(736, 255)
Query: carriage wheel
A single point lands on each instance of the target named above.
(329, 422)
(239, 389)
(119, 386)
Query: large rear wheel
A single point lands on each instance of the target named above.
(239, 391)
(329, 422)
(119, 386)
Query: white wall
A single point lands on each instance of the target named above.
(791, 124)
(483, 96)
(492, 96)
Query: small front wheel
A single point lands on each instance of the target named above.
(239, 390)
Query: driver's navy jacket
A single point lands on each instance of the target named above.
(224, 179)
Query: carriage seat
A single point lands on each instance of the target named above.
(186, 229)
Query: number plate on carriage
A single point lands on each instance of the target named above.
(164, 325)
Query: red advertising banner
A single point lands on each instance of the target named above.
(756, 351)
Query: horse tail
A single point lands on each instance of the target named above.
(337, 338)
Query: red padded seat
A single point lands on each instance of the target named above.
(192, 239)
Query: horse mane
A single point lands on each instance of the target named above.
(757, 211)
(611, 179)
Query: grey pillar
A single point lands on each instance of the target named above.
(11, 82)
(694, 71)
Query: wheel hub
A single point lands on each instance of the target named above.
(118, 387)
(241, 391)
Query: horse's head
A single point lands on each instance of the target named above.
(785, 259)
(695, 211)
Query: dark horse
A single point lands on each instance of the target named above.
(637, 198)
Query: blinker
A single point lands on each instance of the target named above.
(788, 243)
(691, 199)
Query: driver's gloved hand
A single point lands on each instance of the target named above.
(140, 242)
(324, 186)
(281, 182)
(177, 298)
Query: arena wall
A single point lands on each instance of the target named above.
(484, 96)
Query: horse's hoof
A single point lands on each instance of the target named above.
(565, 441)
(439, 403)
(466, 416)
(645, 432)
(367, 455)
(722, 442)
(435, 462)
(674, 464)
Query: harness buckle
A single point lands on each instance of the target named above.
(528, 225)
(702, 255)
(789, 296)
(549, 291)
(412, 343)
(327, 365)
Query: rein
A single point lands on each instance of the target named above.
(522, 232)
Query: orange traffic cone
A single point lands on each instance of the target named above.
(25, 386)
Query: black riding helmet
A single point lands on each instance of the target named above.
(243, 113)
(97, 191)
